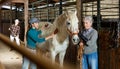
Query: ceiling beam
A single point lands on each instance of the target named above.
(18, 1)
(3, 2)
(86, 1)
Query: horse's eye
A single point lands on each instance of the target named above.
(68, 23)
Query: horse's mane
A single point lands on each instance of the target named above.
(59, 23)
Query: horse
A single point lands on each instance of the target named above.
(64, 26)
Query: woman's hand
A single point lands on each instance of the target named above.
(81, 44)
(42, 28)
(51, 36)
(8, 28)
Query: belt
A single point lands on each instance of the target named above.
(32, 48)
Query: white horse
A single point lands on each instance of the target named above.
(64, 25)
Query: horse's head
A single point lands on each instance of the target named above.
(72, 25)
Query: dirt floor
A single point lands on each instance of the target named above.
(10, 58)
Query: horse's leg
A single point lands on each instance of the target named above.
(61, 57)
(53, 55)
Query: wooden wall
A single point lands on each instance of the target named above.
(5, 27)
(109, 58)
(109, 53)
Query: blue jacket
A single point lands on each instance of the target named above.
(32, 38)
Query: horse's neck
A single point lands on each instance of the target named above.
(60, 25)
(61, 35)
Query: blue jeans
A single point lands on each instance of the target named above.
(27, 62)
(90, 61)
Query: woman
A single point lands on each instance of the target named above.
(90, 54)
(32, 39)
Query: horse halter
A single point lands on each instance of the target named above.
(71, 34)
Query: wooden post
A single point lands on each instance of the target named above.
(26, 19)
(25, 15)
(0, 21)
(11, 14)
(2, 66)
(79, 14)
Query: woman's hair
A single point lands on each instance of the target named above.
(89, 18)
(17, 20)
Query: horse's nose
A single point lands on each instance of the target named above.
(76, 40)
(73, 39)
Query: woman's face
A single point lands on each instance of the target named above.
(16, 22)
(87, 24)
(36, 25)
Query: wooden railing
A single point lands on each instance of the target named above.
(41, 61)
(2, 66)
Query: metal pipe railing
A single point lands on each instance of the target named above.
(41, 61)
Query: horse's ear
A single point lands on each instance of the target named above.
(66, 13)
(75, 11)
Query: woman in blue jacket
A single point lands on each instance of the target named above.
(32, 39)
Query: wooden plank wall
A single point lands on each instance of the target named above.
(109, 54)
(5, 29)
